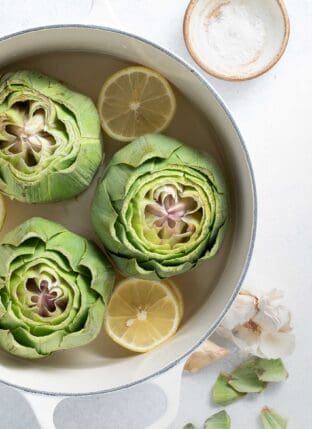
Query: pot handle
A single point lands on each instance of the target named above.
(170, 384)
(43, 407)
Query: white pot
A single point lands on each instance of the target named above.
(202, 120)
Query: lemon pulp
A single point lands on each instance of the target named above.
(135, 101)
(142, 314)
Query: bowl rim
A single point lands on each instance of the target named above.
(237, 77)
(245, 267)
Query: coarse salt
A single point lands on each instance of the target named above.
(234, 36)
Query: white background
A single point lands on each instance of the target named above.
(274, 113)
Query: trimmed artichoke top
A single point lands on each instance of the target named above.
(160, 208)
(50, 147)
(54, 288)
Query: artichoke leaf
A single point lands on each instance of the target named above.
(223, 393)
(271, 419)
(220, 420)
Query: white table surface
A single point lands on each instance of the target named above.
(274, 113)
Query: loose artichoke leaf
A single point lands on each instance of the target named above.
(223, 393)
(271, 370)
(189, 426)
(271, 419)
(219, 420)
(244, 379)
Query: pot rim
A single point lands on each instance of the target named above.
(226, 110)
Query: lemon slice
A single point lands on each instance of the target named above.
(2, 211)
(142, 314)
(135, 101)
(178, 296)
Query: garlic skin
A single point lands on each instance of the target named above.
(260, 325)
(207, 353)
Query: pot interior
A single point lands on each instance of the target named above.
(201, 122)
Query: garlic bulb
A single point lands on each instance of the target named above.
(260, 325)
(207, 353)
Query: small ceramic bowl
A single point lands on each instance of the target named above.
(217, 50)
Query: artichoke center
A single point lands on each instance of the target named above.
(173, 213)
(46, 296)
(27, 135)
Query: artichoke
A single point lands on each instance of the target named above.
(54, 288)
(160, 208)
(50, 146)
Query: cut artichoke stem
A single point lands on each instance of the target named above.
(46, 297)
(171, 212)
(28, 137)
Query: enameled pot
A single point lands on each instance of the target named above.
(83, 56)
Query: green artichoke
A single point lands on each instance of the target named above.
(50, 146)
(54, 288)
(160, 208)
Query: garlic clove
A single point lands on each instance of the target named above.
(243, 309)
(272, 315)
(246, 340)
(273, 319)
(276, 345)
(207, 353)
(260, 325)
